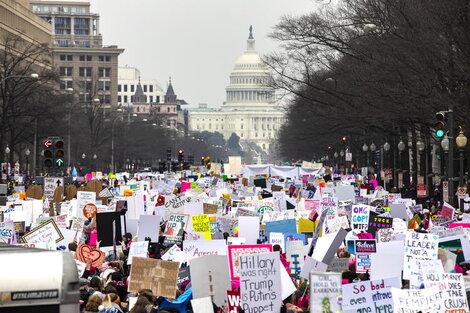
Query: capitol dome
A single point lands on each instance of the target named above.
(250, 81)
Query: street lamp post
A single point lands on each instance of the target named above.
(7, 153)
(401, 147)
(365, 147)
(461, 141)
(27, 153)
(445, 147)
(95, 157)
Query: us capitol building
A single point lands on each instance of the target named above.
(250, 110)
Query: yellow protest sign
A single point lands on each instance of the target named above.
(305, 226)
(201, 224)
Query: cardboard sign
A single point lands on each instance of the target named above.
(260, 272)
(210, 277)
(202, 224)
(235, 251)
(45, 232)
(326, 288)
(175, 227)
(375, 294)
(363, 262)
(360, 217)
(157, 275)
(197, 248)
(418, 246)
(138, 249)
(338, 265)
(87, 254)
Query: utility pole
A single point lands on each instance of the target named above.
(450, 171)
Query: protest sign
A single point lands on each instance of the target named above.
(418, 246)
(235, 251)
(453, 286)
(138, 249)
(148, 227)
(7, 232)
(385, 235)
(328, 245)
(338, 265)
(233, 301)
(50, 184)
(363, 262)
(283, 226)
(78, 223)
(331, 205)
(370, 296)
(295, 255)
(45, 232)
(360, 217)
(84, 198)
(260, 282)
(236, 241)
(276, 239)
(61, 221)
(365, 246)
(197, 248)
(248, 228)
(157, 275)
(417, 301)
(175, 227)
(173, 254)
(311, 265)
(89, 254)
(447, 211)
(184, 274)
(202, 305)
(420, 268)
(210, 277)
(326, 288)
(201, 224)
(377, 222)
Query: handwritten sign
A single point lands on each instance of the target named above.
(385, 235)
(138, 249)
(404, 301)
(45, 232)
(326, 288)
(260, 272)
(87, 254)
(418, 246)
(201, 224)
(330, 204)
(453, 286)
(85, 197)
(7, 232)
(235, 251)
(370, 296)
(360, 217)
(196, 248)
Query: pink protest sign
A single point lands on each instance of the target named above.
(236, 250)
(454, 225)
(185, 186)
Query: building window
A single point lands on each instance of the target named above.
(87, 58)
(157, 99)
(104, 58)
(119, 99)
(168, 109)
(151, 88)
(168, 123)
(82, 43)
(104, 85)
(125, 99)
(241, 126)
(119, 87)
(125, 88)
(65, 84)
(145, 88)
(66, 57)
(85, 71)
(158, 109)
(151, 98)
(63, 43)
(241, 135)
(66, 71)
(104, 72)
(132, 88)
(106, 99)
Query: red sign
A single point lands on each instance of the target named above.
(89, 210)
(233, 298)
(421, 193)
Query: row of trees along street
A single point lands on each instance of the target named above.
(371, 70)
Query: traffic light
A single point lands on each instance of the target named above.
(344, 139)
(59, 153)
(180, 156)
(48, 152)
(439, 127)
(168, 154)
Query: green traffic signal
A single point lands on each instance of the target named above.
(439, 133)
(59, 162)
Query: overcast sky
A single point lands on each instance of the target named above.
(196, 42)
